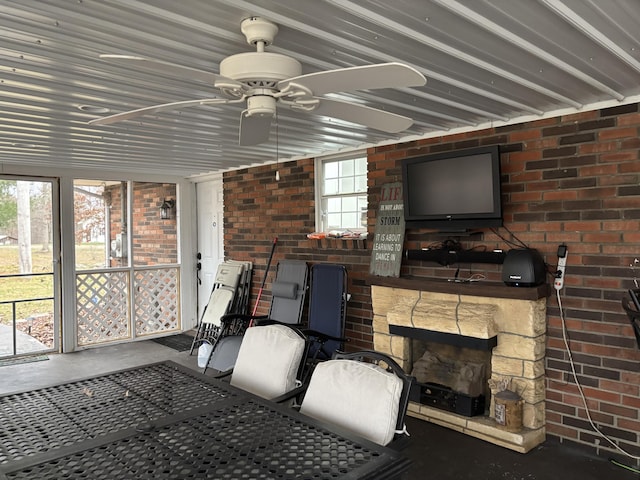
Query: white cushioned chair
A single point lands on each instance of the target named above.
(270, 360)
(360, 396)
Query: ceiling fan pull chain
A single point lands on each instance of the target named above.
(277, 150)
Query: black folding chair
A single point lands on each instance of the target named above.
(633, 312)
(327, 310)
(366, 392)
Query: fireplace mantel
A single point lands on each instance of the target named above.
(478, 289)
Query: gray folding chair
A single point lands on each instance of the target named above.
(287, 303)
(288, 291)
(220, 303)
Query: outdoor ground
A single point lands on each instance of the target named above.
(36, 317)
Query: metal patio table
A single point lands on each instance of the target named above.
(165, 421)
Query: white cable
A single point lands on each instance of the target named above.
(575, 377)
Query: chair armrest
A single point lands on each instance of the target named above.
(323, 337)
(265, 320)
(234, 324)
(290, 394)
(224, 374)
(242, 317)
(197, 341)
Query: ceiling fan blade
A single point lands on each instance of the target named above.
(254, 129)
(383, 75)
(363, 115)
(165, 67)
(118, 117)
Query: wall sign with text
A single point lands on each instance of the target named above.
(386, 256)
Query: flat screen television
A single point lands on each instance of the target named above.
(453, 191)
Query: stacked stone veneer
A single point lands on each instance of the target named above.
(520, 327)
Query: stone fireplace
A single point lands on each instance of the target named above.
(510, 322)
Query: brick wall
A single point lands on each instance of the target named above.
(155, 241)
(572, 179)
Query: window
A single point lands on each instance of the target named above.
(342, 193)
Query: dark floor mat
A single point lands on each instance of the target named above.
(180, 342)
(19, 360)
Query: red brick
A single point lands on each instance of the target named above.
(618, 133)
(626, 424)
(617, 157)
(560, 195)
(597, 147)
(523, 135)
(629, 119)
(633, 402)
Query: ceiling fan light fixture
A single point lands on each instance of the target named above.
(261, 105)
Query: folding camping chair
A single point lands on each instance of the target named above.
(240, 302)
(327, 310)
(222, 298)
(270, 360)
(366, 392)
(288, 293)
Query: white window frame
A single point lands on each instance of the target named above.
(321, 195)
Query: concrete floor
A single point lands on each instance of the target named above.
(436, 452)
(24, 343)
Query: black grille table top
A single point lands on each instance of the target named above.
(49, 418)
(164, 421)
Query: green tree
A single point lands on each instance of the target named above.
(8, 207)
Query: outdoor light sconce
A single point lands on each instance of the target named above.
(166, 208)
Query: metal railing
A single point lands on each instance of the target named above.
(14, 303)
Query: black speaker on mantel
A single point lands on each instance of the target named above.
(524, 267)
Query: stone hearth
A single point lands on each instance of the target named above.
(515, 316)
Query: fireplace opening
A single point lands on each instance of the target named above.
(451, 378)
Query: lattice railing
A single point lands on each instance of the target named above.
(157, 300)
(102, 307)
(103, 304)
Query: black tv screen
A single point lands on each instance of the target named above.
(453, 191)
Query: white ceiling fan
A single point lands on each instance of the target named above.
(264, 79)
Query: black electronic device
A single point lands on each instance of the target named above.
(523, 267)
(444, 398)
(453, 191)
(444, 256)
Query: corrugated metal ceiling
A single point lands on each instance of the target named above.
(487, 62)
